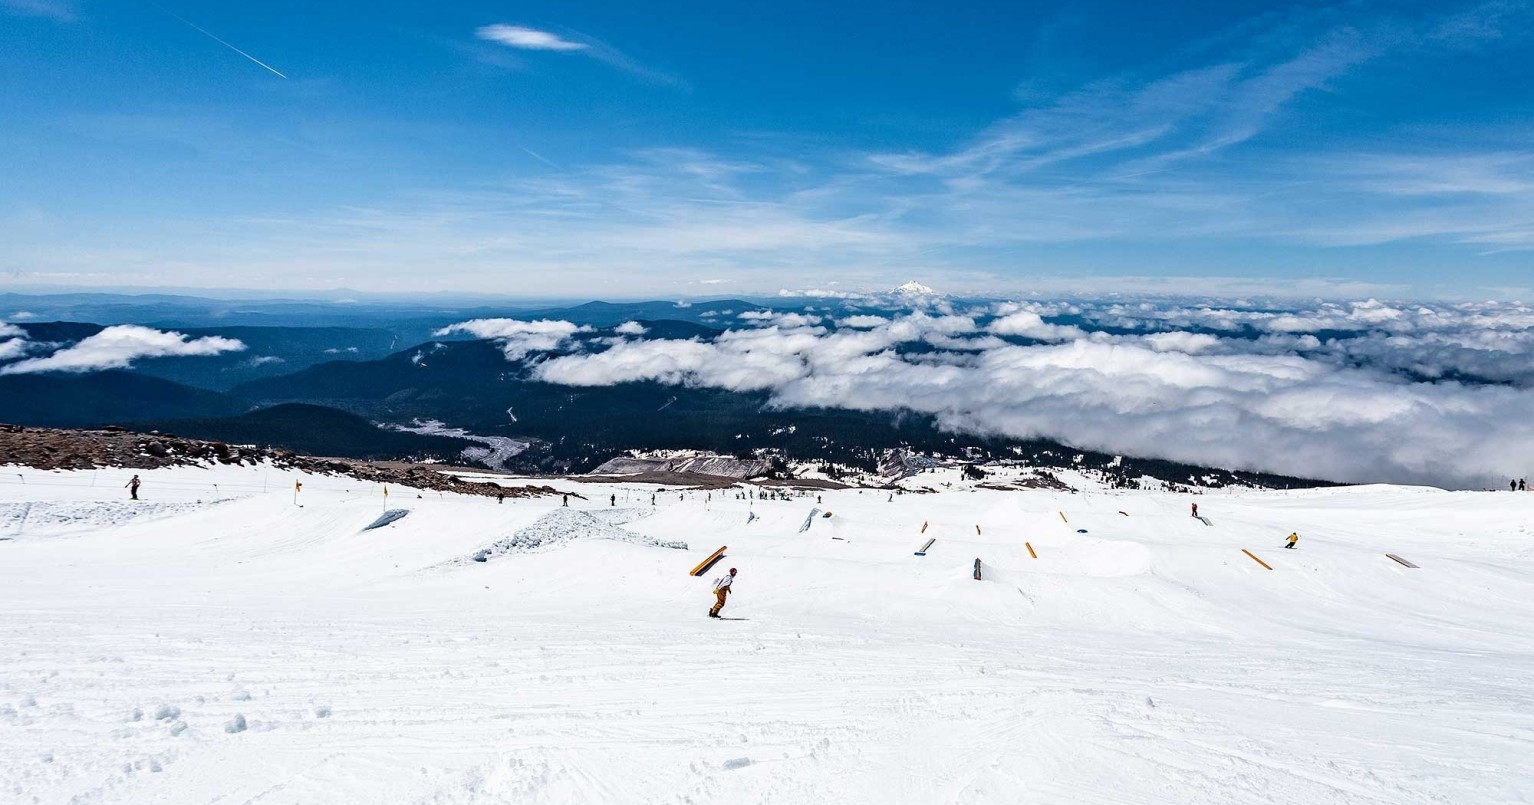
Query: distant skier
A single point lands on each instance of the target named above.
(614, 501)
(566, 501)
(721, 592)
(1195, 510)
(132, 487)
(1293, 538)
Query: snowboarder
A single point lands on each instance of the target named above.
(132, 487)
(566, 499)
(1290, 541)
(721, 592)
(1195, 510)
(614, 501)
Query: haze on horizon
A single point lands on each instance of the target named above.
(613, 151)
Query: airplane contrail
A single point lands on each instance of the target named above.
(538, 156)
(204, 32)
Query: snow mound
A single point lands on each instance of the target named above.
(31, 518)
(386, 518)
(560, 526)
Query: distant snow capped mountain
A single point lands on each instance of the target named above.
(914, 288)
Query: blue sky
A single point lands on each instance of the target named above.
(673, 149)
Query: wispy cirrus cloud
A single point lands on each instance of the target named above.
(524, 38)
(57, 10)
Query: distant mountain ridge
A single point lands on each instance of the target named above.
(312, 430)
(108, 397)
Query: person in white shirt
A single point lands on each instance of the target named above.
(721, 592)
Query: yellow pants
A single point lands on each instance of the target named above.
(719, 594)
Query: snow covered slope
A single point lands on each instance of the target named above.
(220, 642)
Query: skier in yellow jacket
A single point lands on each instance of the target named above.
(721, 592)
(1293, 538)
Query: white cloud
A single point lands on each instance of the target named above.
(1031, 325)
(1190, 343)
(518, 36)
(56, 10)
(785, 320)
(13, 342)
(119, 346)
(631, 328)
(863, 322)
(519, 338)
(523, 38)
(1248, 403)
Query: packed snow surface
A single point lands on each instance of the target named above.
(247, 644)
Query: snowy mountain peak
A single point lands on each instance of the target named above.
(914, 288)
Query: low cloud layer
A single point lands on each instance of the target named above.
(115, 348)
(13, 341)
(518, 338)
(1361, 392)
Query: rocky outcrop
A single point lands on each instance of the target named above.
(700, 464)
(902, 463)
(56, 449)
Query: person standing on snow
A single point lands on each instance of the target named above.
(1293, 538)
(721, 592)
(132, 487)
(1195, 510)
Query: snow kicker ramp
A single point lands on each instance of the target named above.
(386, 518)
(561, 526)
